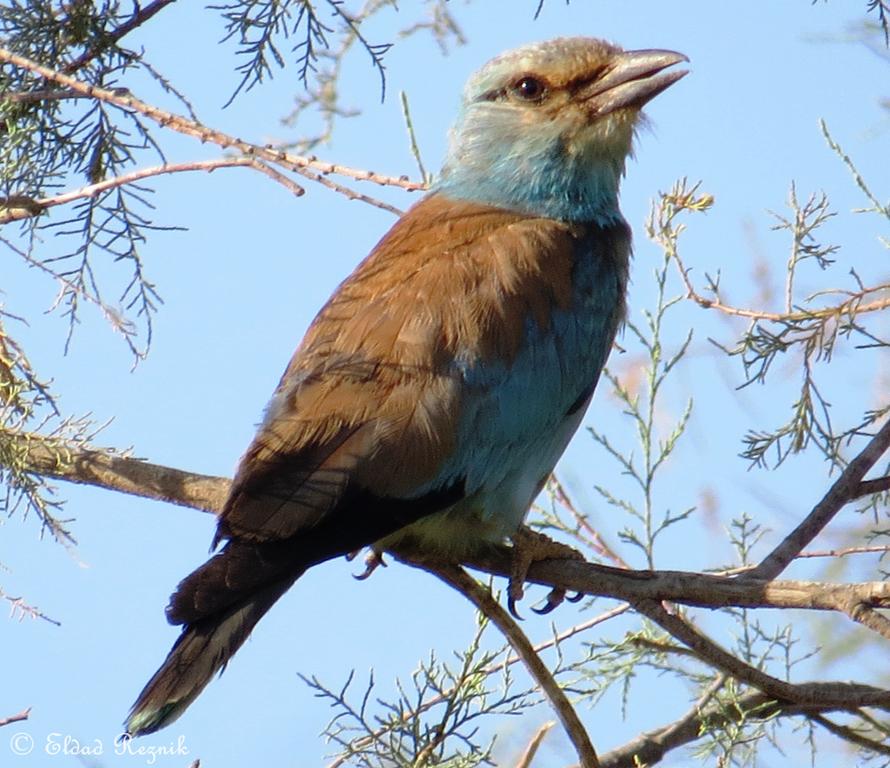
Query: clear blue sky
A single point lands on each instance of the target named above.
(241, 285)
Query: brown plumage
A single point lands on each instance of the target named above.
(438, 387)
(366, 411)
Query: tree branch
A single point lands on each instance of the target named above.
(651, 747)
(845, 489)
(482, 598)
(136, 20)
(308, 165)
(531, 750)
(117, 472)
(73, 463)
(849, 734)
(23, 715)
(21, 207)
(811, 694)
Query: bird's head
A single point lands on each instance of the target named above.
(546, 128)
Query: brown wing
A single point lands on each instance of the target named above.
(370, 401)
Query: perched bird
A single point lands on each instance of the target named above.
(435, 391)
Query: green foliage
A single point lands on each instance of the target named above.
(436, 719)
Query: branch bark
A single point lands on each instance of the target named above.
(482, 598)
(651, 747)
(207, 493)
(21, 207)
(308, 166)
(845, 489)
(23, 715)
(117, 472)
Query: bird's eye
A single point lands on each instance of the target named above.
(529, 88)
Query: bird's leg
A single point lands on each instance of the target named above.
(529, 547)
(373, 560)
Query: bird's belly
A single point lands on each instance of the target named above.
(494, 511)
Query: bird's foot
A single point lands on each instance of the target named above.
(373, 560)
(530, 547)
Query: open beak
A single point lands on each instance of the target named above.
(632, 79)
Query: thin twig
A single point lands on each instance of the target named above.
(14, 209)
(562, 636)
(350, 194)
(844, 308)
(23, 715)
(197, 130)
(412, 139)
(810, 553)
(482, 598)
(19, 608)
(594, 540)
(531, 750)
(107, 39)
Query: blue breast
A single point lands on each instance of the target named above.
(519, 416)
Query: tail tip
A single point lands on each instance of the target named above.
(145, 720)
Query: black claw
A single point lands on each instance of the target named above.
(576, 598)
(511, 606)
(372, 563)
(554, 600)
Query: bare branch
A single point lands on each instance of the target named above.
(188, 127)
(531, 750)
(484, 601)
(651, 747)
(55, 458)
(848, 695)
(19, 207)
(23, 715)
(849, 734)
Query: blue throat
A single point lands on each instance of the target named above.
(553, 195)
(531, 172)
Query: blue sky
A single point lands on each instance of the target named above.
(243, 282)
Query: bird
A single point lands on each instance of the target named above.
(435, 391)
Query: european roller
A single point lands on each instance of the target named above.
(437, 388)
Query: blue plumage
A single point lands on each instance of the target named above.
(439, 385)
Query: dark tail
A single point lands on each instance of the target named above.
(203, 649)
(219, 604)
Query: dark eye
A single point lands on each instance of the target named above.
(529, 88)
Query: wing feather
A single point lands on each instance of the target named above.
(374, 395)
